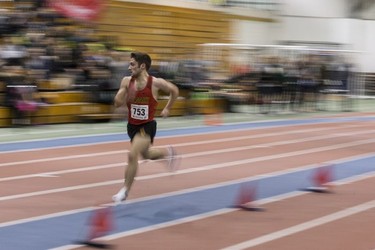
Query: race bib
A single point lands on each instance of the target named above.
(139, 112)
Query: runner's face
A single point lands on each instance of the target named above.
(134, 67)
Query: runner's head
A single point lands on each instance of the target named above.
(139, 62)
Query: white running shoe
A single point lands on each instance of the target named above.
(172, 159)
(120, 196)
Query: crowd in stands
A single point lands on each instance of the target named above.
(38, 45)
(295, 82)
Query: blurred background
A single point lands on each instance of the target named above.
(62, 61)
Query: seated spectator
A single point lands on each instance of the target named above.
(23, 100)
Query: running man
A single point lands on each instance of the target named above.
(139, 92)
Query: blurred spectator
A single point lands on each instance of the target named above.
(310, 80)
(4, 22)
(119, 67)
(11, 53)
(290, 83)
(270, 85)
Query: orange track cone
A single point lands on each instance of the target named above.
(99, 225)
(246, 198)
(322, 178)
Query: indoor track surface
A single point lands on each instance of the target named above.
(52, 188)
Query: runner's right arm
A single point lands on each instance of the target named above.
(120, 98)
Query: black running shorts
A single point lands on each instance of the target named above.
(147, 128)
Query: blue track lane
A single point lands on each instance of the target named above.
(64, 230)
(68, 141)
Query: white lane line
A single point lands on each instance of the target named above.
(69, 157)
(197, 143)
(271, 144)
(59, 190)
(196, 169)
(176, 145)
(45, 217)
(211, 141)
(43, 132)
(272, 134)
(185, 135)
(68, 171)
(62, 138)
(206, 153)
(64, 146)
(304, 226)
(209, 214)
(46, 175)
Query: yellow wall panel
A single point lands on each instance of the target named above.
(162, 30)
(65, 96)
(4, 112)
(5, 122)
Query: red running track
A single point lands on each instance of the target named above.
(46, 181)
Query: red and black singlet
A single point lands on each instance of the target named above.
(141, 103)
